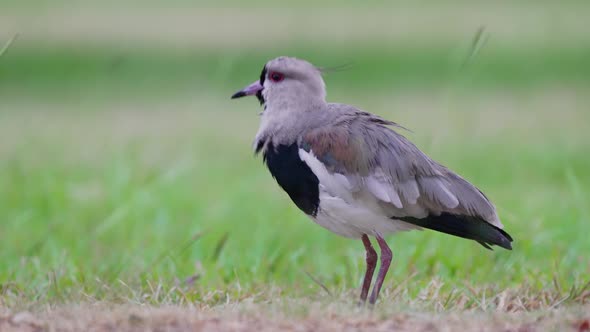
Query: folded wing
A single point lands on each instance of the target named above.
(364, 159)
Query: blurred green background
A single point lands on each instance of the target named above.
(125, 165)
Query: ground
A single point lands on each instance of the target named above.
(130, 196)
(246, 317)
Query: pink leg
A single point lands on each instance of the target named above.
(371, 259)
(386, 257)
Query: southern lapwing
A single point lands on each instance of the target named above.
(352, 174)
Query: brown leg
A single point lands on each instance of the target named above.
(386, 256)
(371, 259)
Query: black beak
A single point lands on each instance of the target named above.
(250, 90)
(238, 94)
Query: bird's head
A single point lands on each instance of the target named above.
(285, 81)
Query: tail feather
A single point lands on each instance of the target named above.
(467, 227)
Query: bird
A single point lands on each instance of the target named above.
(353, 173)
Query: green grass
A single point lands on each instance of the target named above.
(109, 204)
(98, 72)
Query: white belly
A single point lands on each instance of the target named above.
(354, 220)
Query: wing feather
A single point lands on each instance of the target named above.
(434, 189)
(376, 159)
(358, 158)
(378, 189)
(380, 186)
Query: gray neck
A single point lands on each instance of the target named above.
(283, 122)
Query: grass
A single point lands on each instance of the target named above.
(106, 205)
(129, 195)
(7, 45)
(96, 72)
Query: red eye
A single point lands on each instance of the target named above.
(276, 76)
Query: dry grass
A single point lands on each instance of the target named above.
(518, 309)
(513, 313)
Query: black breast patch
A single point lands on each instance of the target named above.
(294, 176)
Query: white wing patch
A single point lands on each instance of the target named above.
(336, 184)
(341, 186)
(348, 210)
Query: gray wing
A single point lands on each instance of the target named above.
(406, 183)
